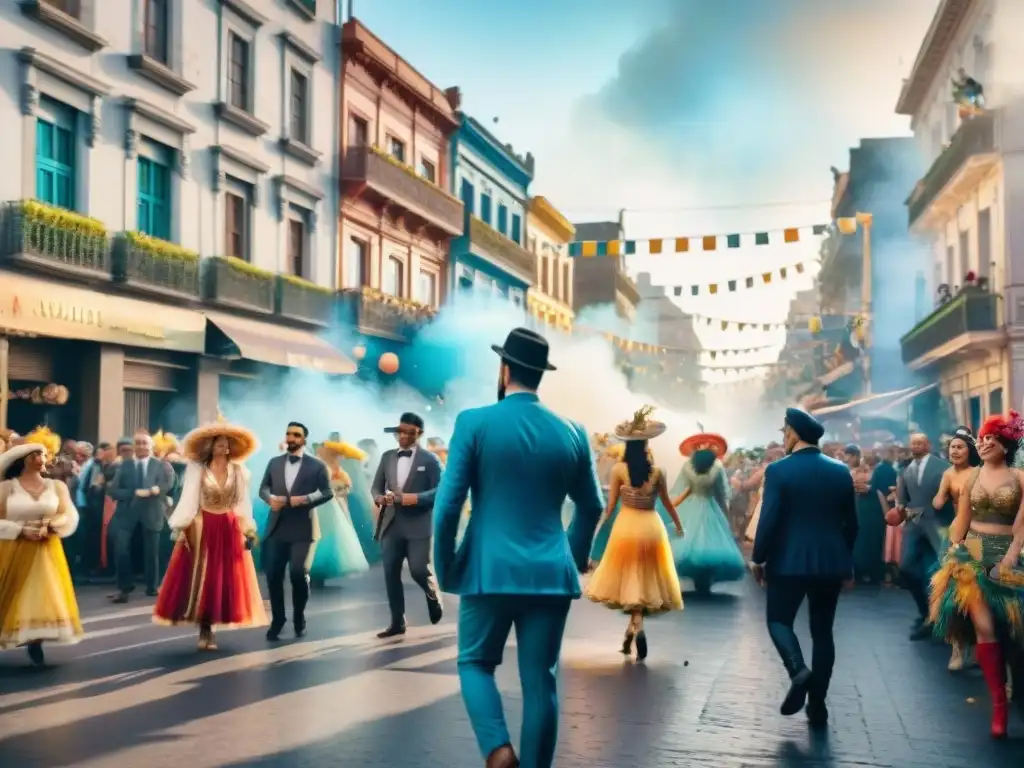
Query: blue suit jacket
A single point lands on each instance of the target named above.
(519, 461)
(808, 522)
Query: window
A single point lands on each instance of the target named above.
(394, 276)
(357, 259)
(951, 277)
(469, 197)
(358, 131)
(300, 107)
(236, 225)
(427, 289)
(485, 208)
(995, 401)
(298, 251)
(502, 219)
(238, 73)
(566, 287)
(517, 225)
(70, 7)
(156, 39)
(516, 295)
(544, 285)
(965, 255)
(154, 180)
(427, 170)
(533, 245)
(55, 164)
(396, 148)
(985, 244)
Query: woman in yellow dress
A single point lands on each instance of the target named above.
(37, 599)
(637, 574)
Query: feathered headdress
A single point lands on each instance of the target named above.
(164, 443)
(641, 426)
(1010, 427)
(344, 450)
(43, 436)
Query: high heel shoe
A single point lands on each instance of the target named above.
(641, 645)
(627, 643)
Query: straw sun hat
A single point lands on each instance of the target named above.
(198, 443)
(641, 426)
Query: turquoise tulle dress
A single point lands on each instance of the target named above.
(361, 509)
(338, 553)
(707, 554)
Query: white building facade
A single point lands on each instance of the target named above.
(210, 125)
(973, 340)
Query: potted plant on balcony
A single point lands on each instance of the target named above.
(304, 300)
(55, 237)
(236, 283)
(151, 263)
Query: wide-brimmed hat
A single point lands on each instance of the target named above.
(18, 452)
(344, 450)
(526, 348)
(704, 441)
(197, 443)
(641, 426)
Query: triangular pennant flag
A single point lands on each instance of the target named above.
(682, 244)
(799, 269)
(761, 238)
(713, 289)
(791, 235)
(654, 246)
(713, 353)
(767, 277)
(725, 325)
(750, 282)
(732, 285)
(710, 242)
(678, 290)
(732, 241)
(694, 290)
(782, 273)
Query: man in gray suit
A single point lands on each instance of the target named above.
(139, 487)
(922, 537)
(294, 485)
(403, 489)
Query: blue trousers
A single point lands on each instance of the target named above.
(484, 625)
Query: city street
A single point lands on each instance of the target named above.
(132, 694)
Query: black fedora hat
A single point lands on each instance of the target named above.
(526, 348)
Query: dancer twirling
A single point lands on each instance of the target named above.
(978, 593)
(708, 554)
(37, 599)
(338, 553)
(637, 574)
(211, 579)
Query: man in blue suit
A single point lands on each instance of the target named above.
(804, 549)
(516, 566)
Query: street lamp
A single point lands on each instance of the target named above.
(849, 226)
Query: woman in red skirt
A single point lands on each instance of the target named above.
(211, 580)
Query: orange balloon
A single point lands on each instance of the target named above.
(388, 363)
(359, 352)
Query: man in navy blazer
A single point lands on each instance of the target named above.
(804, 549)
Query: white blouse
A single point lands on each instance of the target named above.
(19, 508)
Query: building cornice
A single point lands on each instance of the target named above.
(515, 169)
(552, 219)
(940, 36)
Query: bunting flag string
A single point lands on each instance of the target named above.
(740, 283)
(738, 325)
(690, 244)
(629, 345)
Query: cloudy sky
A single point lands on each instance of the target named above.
(696, 116)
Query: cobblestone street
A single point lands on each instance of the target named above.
(133, 694)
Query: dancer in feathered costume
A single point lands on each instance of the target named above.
(211, 579)
(978, 593)
(338, 552)
(708, 554)
(636, 574)
(37, 599)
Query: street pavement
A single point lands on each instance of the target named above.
(140, 696)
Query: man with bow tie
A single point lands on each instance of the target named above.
(403, 488)
(294, 485)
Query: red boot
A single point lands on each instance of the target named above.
(993, 665)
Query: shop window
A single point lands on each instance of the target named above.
(55, 156)
(154, 203)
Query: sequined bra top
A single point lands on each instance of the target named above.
(998, 506)
(642, 497)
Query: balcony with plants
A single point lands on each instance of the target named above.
(374, 170)
(51, 239)
(155, 266)
(376, 313)
(305, 301)
(234, 283)
(518, 260)
(972, 311)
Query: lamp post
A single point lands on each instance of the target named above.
(849, 226)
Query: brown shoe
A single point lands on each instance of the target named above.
(502, 757)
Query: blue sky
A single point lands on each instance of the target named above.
(699, 116)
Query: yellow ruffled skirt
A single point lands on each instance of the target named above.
(637, 571)
(37, 598)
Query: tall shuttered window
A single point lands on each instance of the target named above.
(154, 198)
(55, 162)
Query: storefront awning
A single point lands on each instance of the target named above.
(904, 399)
(849, 409)
(280, 345)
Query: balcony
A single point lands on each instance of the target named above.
(507, 254)
(970, 322)
(625, 286)
(50, 239)
(959, 169)
(377, 314)
(155, 266)
(307, 302)
(370, 171)
(239, 285)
